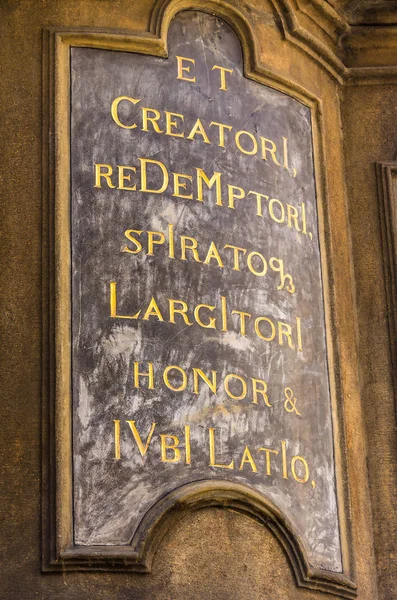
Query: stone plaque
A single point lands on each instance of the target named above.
(198, 328)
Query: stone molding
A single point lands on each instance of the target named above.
(59, 551)
(307, 25)
(325, 35)
(386, 174)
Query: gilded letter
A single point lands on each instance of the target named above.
(153, 310)
(116, 439)
(133, 240)
(198, 129)
(221, 130)
(149, 375)
(306, 466)
(248, 458)
(180, 311)
(173, 446)
(212, 452)
(254, 149)
(153, 120)
(144, 188)
(123, 178)
(212, 321)
(216, 178)
(114, 111)
(182, 68)
(142, 448)
(167, 382)
(223, 72)
(243, 385)
(107, 175)
(256, 391)
(210, 384)
(268, 452)
(151, 240)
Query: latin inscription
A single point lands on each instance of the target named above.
(198, 323)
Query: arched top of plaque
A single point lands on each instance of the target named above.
(194, 361)
(287, 14)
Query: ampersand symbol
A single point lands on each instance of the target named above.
(290, 401)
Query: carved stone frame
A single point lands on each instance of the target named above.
(387, 190)
(59, 552)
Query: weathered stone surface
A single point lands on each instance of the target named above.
(112, 494)
(244, 561)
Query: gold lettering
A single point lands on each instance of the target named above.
(251, 137)
(149, 375)
(216, 178)
(198, 129)
(284, 458)
(178, 185)
(260, 334)
(221, 131)
(272, 149)
(258, 197)
(243, 385)
(294, 474)
(256, 391)
(277, 265)
(292, 215)
(169, 124)
(171, 252)
(224, 313)
(114, 111)
(284, 330)
(152, 310)
(223, 72)
(236, 251)
(210, 384)
(193, 247)
(113, 304)
(144, 188)
(268, 453)
(180, 311)
(251, 268)
(248, 458)
(187, 444)
(117, 439)
(182, 68)
(234, 191)
(173, 446)
(213, 254)
(212, 452)
(142, 448)
(167, 382)
(123, 178)
(282, 211)
(243, 315)
(106, 175)
(290, 401)
(133, 240)
(151, 240)
(212, 321)
(153, 120)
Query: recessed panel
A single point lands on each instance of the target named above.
(198, 328)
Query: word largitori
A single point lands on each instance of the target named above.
(203, 315)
